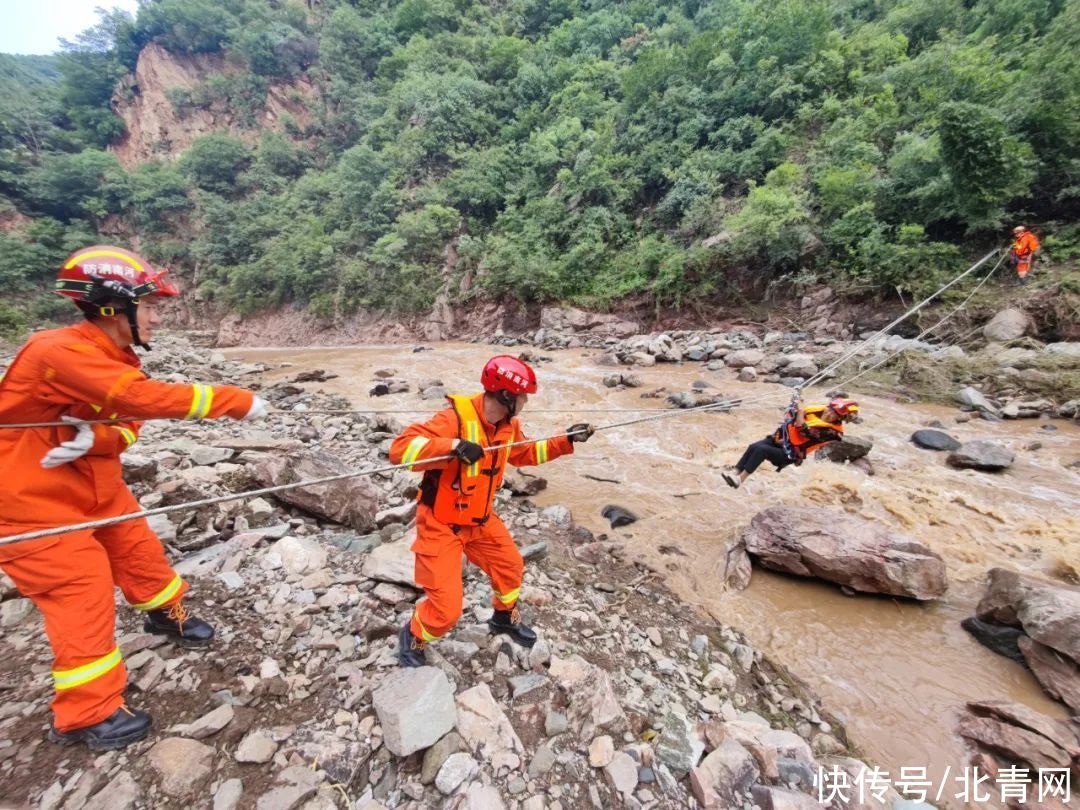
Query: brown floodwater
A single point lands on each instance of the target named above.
(895, 672)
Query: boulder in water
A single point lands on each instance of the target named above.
(998, 638)
(1047, 611)
(934, 440)
(982, 454)
(832, 545)
(1058, 674)
(849, 448)
(618, 516)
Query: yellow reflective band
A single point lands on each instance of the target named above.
(472, 431)
(509, 598)
(129, 436)
(424, 634)
(202, 397)
(170, 591)
(70, 678)
(412, 452)
(111, 253)
(542, 452)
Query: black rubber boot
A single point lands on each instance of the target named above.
(509, 622)
(119, 730)
(183, 630)
(410, 651)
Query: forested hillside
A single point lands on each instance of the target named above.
(578, 150)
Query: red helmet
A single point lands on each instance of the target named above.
(846, 408)
(85, 272)
(506, 373)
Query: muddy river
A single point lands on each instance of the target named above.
(894, 672)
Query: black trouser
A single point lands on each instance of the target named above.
(765, 450)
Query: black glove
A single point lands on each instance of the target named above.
(469, 452)
(586, 430)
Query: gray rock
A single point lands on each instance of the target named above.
(998, 638)
(973, 398)
(393, 562)
(285, 798)
(300, 555)
(138, 469)
(352, 502)
(774, 798)
(206, 456)
(744, 357)
(398, 514)
(934, 440)
(618, 516)
(529, 682)
(435, 756)
(748, 374)
(622, 773)
(542, 762)
(228, 795)
(832, 545)
(207, 725)
(1009, 324)
(982, 454)
(415, 708)
(481, 797)
(484, 727)
(724, 776)
(555, 724)
(15, 611)
(1058, 674)
(679, 747)
(1049, 612)
(122, 793)
(849, 448)
(257, 747)
(457, 769)
(181, 764)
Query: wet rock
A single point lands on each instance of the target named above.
(981, 454)
(207, 725)
(457, 769)
(1046, 611)
(435, 756)
(679, 748)
(618, 516)
(1013, 742)
(351, 502)
(934, 440)
(832, 545)
(849, 448)
(1009, 324)
(723, 776)
(257, 747)
(1058, 732)
(181, 764)
(415, 708)
(485, 728)
(996, 637)
(1058, 674)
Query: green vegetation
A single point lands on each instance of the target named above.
(580, 150)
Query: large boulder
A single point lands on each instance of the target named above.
(744, 357)
(982, 454)
(352, 502)
(1009, 324)
(832, 545)
(415, 709)
(1047, 611)
(724, 776)
(934, 440)
(849, 448)
(393, 562)
(486, 729)
(1013, 742)
(1058, 674)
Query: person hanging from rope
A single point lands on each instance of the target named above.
(56, 476)
(804, 431)
(455, 514)
(1024, 245)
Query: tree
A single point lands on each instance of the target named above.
(214, 162)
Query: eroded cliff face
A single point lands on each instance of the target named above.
(157, 130)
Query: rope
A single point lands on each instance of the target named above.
(662, 414)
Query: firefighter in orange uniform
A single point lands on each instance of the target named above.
(56, 476)
(1024, 245)
(805, 431)
(456, 496)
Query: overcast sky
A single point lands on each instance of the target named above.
(36, 26)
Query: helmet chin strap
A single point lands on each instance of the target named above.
(508, 401)
(131, 307)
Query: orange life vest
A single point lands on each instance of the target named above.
(460, 494)
(798, 437)
(1025, 245)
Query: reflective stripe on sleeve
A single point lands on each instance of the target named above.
(202, 399)
(412, 452)
(542, 452)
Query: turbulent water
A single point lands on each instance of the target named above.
(895, 672)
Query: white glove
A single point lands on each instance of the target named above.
(74, 448)
(258, 409)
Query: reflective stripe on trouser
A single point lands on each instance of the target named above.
(80, 676)
(164, 596)
(438, 569)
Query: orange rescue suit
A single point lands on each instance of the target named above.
(813, 434)
(1023, 251)
(455, 512)
(78, 371)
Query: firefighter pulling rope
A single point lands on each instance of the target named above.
(89, 371)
